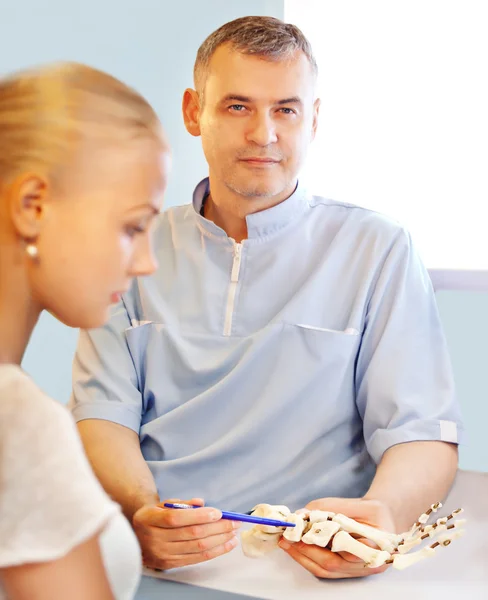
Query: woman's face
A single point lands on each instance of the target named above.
(94, 236)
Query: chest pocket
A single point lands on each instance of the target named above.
(280, 363)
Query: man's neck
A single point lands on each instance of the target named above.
(229, 210)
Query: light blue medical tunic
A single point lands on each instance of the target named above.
(277, 370)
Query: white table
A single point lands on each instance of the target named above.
(459, 570)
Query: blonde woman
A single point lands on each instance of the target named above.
(83, 166)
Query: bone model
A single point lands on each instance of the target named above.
(339, 533)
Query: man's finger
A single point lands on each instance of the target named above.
(192, 501)
(348, 557)
(313, 567)
(330, 561)
(195, 532)
(200, 545)
(176, 517)
(174, 562)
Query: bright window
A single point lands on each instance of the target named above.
(404, 118)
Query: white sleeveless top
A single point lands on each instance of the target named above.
(50, 500)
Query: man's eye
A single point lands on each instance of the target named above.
(237, 107)
(287, 111)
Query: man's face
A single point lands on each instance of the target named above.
(257, 121)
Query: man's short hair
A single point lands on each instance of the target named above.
(268, 37)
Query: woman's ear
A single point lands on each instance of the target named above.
(191, 112)
(26, 200)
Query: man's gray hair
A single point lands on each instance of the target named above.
(268, 37)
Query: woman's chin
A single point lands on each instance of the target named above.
(82, 319)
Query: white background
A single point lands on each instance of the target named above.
(404, 117)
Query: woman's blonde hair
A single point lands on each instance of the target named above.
(46, 110)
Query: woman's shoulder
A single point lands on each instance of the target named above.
(33, 425)
(23, 403)
(47, 484)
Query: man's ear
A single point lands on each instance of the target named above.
(191, 112)
(315, 122)
(26, 199)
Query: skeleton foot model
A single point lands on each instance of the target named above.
(338, 533)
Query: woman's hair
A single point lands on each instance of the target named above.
(45, 112)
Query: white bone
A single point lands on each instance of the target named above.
(411, 533)
(294, 534)
(254, 547)
(343, 542)
(263, 510)
(316, 527)
(321, 533)
(402, 561)
(446, 539)
(426, 515)
(262, 539)
(264, 535)
(279, 513)
(419, 529)
(422, 520)
(318, 516)
(454, 513)
(269, 528)
(431, 531)
(383, 539)
(416, 541)
(408, 545)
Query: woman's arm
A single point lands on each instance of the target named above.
(80, 575)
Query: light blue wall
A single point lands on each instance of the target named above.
(151, 45)
(465, 319)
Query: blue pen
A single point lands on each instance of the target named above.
(233, 516)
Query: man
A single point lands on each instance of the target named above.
(288, 348)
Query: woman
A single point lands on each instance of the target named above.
(83, 166)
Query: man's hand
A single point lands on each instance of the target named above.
(325, 564)
(172, 538)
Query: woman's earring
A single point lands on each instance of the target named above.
(32, 251)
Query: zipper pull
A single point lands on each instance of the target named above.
(236, 265)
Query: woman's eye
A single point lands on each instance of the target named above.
(133, 230)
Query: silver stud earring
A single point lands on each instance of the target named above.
(32, 251)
